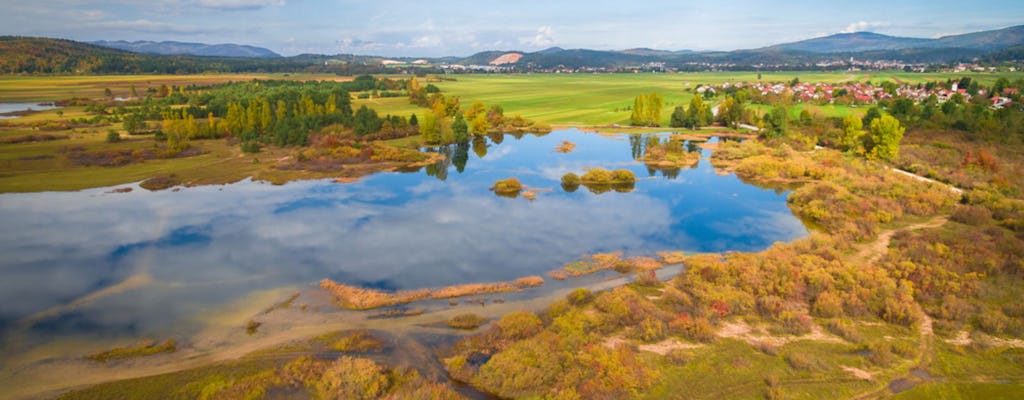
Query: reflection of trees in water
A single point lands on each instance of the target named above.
(599, 188)
(454, 154)
(480, 146)
(460, 156)
(439, 169)
(497, 138)
(636, 145)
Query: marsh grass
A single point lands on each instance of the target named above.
(142, 350)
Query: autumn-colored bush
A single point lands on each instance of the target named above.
(507, 186)
(519, 325)
(579, 296)
(353, 378)
(466, 321)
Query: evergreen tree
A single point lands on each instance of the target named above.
(459, 129)
(678, 119)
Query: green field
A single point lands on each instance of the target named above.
(604, 99)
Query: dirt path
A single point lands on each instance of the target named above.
(872, 252)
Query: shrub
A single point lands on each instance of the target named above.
(579, 296)
(570, 179)
(649, 330)
(507, 186)
(880, 353)
(353, 378)
(519, 325)
(971, 215)
(466, 321)
(113, 136)
(647, 278)
(358, 341)
(799, 360)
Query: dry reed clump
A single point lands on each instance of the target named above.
(672, 257)
(588, 265)
(355, 298)
(565, 147)
(529, 281)
(643, 263)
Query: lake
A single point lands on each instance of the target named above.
(186, 252)
(7, 108)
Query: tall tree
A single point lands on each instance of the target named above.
(653, 109)
(678, 119)
(459, 129)
(429, 127)
(852, 139)
(776, 122)
(698, 114)
(638, 117)
(886, 134)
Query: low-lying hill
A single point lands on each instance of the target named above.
(194, 49)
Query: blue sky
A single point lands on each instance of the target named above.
(459, 28)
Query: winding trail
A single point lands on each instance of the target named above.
(872, 252)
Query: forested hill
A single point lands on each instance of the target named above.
(33, 55)
(194, 49)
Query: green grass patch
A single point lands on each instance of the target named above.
(964, 391)
(144, 350)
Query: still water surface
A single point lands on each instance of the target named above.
(208, 246)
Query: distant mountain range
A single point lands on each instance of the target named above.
(861, 45)
(46, 55)
(868, 41)
(194, 49)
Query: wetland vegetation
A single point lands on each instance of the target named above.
(900, 283)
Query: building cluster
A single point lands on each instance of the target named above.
(861, 93)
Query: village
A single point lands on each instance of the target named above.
(854, 93)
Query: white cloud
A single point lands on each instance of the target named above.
(861, 26)
(237, 5)
(544, 37)
(427, 41)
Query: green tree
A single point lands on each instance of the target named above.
(871, 115)
(698, 114)
(886, 134)
(638, 117)
(133, 123)
(776, 122)
(366, 121)
(459, 129)
(413, 120)
(852, 139)
(652, 109)
(429, 127)
(731, 111)
(678, 119)
(479, 124)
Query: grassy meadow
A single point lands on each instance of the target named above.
(557, 99)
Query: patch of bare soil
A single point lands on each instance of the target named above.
(740, 330)
(857, 372)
